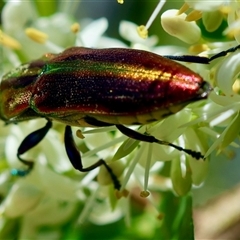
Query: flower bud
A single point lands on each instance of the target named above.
(212, 20)
(177, 26)
(182, 182)
(205, 5)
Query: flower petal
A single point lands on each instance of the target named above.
(227, 72)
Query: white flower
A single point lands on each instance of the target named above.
(53, 191)
(205, 5)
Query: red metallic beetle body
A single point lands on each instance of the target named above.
(116, 86)
(99, 87)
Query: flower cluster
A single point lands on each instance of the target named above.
(53, 192)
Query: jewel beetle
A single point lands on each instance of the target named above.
(96, 88)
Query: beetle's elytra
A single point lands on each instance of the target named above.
(99, 87)
(113, 86)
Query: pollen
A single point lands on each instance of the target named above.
(36, 35)
(8, 41)
(75, 27)
(79, 134)
(198, 48)
(192, 16)
(144, 194)
(122, 193)
(236, 86)
(142, 31)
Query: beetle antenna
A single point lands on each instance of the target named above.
(200, 59)
(224, 53)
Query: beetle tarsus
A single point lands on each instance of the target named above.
(194, 154)
(20, 173)
(151, 139)
(76, 160)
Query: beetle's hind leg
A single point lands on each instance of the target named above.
(151, 139)
(29, 142)
(76, 160)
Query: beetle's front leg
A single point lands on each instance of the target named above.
(76, 160)
(29, 142)
(151, 139)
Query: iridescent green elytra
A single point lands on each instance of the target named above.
(114, 86)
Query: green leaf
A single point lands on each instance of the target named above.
(46, 8)
(177, 221)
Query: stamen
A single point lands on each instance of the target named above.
(225, 115)
(75, 27)
(194, 16)
(155, 13)
(103, 147)
(198, 48)
(142, 30)
(123, 193)
(79, 134)
(147, 169)
(88, 206)
(183, 9)
(36, 35)
(120, 1)
(132, 166)
(236, 86)
(53, 47)
(9, 41)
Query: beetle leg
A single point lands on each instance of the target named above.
(29, 142)
(151, 139)
(199, 59)
(75, 158)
